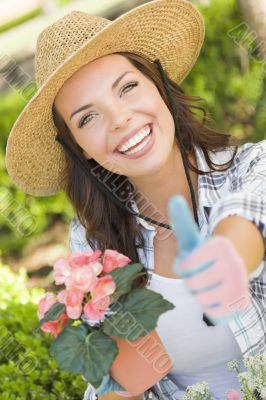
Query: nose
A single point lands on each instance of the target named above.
(119, 117)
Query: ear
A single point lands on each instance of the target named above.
(86, 155)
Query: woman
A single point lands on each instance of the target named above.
(111, 126)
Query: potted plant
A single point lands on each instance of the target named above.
(102, 324)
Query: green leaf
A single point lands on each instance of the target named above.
(123, 278)
(89, 354)
(51, 315)
(136, 314)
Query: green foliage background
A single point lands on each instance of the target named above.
(18, 320)
(230, 74)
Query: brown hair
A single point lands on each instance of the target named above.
(106, 224)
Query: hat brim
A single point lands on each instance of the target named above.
(171, 30)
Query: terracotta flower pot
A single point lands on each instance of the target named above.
(141, 363)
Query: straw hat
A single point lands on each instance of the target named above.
(171, 30)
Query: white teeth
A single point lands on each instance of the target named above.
(138, 148)
(123, 148)
(136, 139)
(133, 141)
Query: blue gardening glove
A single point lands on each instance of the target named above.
(108, 385)
(212, 268)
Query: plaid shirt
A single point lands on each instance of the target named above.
(241, 190)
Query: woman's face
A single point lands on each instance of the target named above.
(106, 102)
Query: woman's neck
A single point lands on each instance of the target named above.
(154, 192)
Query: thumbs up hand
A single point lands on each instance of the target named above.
(213, 270)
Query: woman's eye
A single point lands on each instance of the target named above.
(87, 118)
(129, 87)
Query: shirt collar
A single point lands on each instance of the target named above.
(141, 221)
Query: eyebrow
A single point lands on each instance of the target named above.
(114, 85)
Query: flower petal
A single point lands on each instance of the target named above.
(105, 286)
(45, 303)
(112, 260)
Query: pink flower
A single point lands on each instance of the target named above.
(100, 300)
(80, 259)
(56, 326)
(82, 279)
(64, 268)
(73, 301)
(96, 310)
(233, 395)
(104, 287)
(96, 267)
(45, 303)
(112, 260)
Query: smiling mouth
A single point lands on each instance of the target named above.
(138, 146)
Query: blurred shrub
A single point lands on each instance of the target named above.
(232, 83)
(27, 371)
(20, 20)
(28, 16)
(63, 2)
(15, 204)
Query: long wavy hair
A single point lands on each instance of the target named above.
(106, 224)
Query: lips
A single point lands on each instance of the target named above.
(144, 150)
(131, 135)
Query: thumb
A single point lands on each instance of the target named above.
(185, 229)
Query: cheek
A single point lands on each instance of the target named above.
(166, 118)
(89, 149)
(95, 149)
(161, 110)
(85, 147)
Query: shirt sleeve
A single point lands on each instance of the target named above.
(90, 393)
(247, 189)
(245, 196)
(77, 237)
